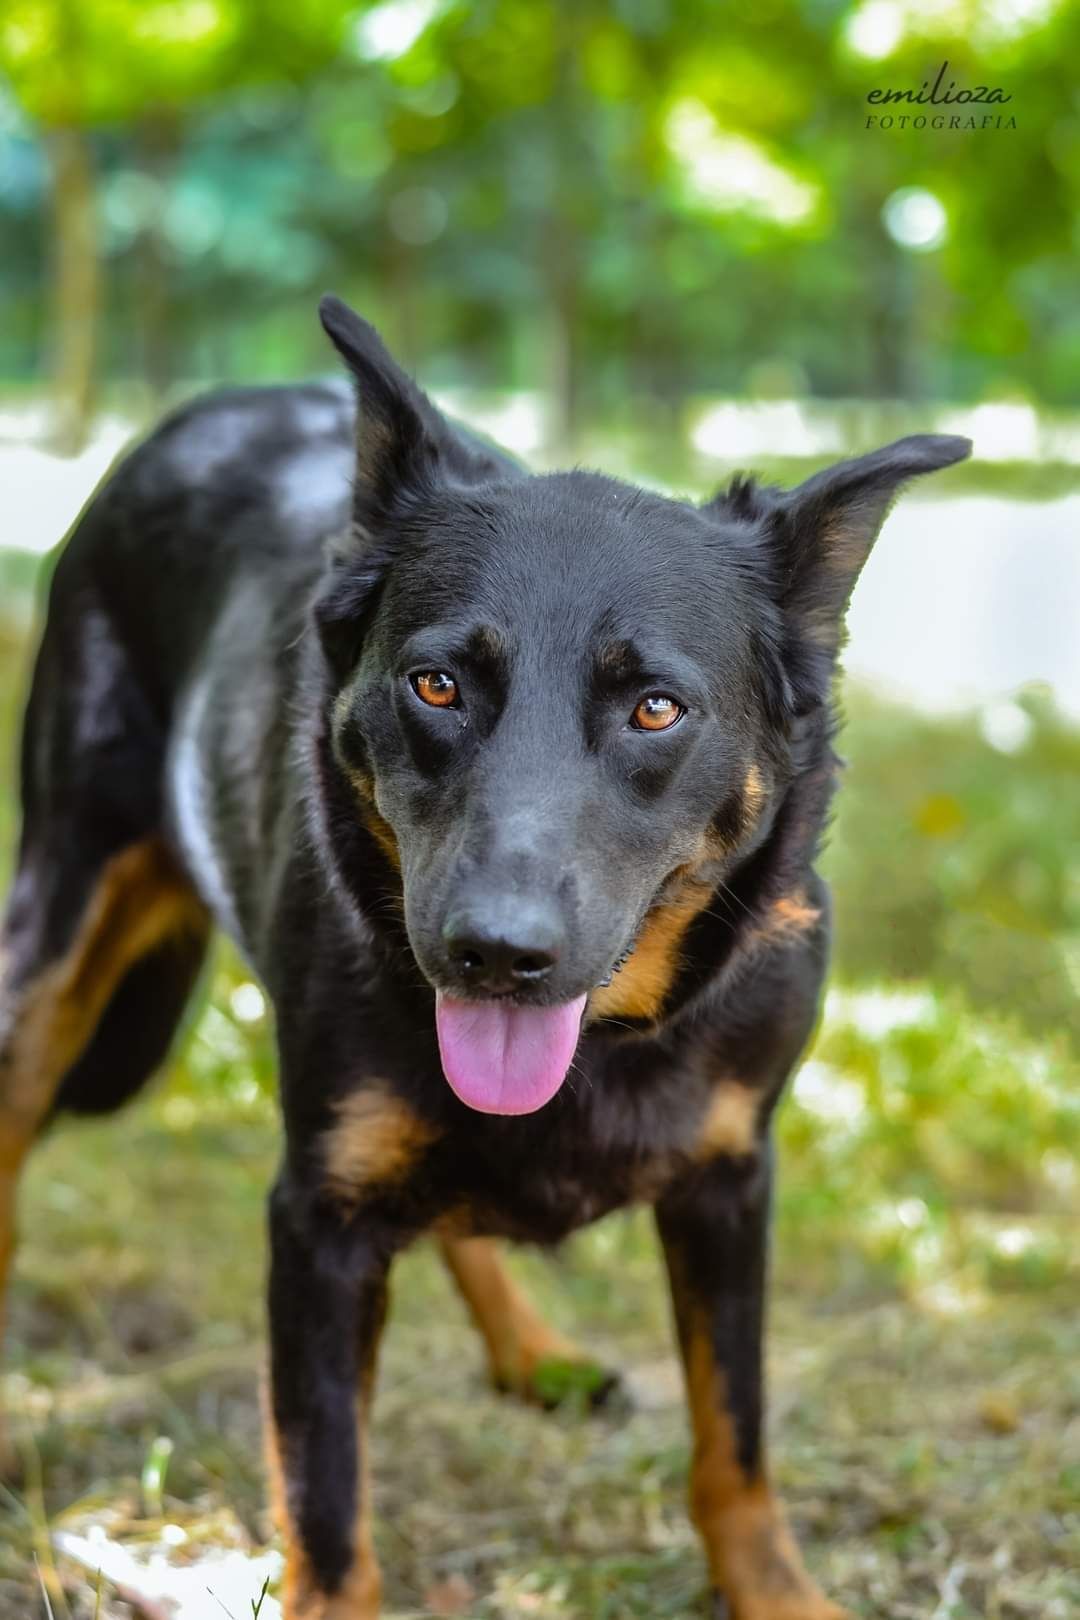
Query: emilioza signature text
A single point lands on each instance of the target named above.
(941, 92)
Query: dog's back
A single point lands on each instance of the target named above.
(217, 519)
(241, 483)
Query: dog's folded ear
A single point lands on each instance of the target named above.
(824, 529)
(404, 445)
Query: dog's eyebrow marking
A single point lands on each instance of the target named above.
(617, 661)
(487, 645)
(374, 1141)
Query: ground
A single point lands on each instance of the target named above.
(924, 1349)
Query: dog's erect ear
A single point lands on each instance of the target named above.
(398, 429)
(823, 530)
(404, 448)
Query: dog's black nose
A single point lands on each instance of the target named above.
(499, 947)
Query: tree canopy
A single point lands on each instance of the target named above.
(650, 197)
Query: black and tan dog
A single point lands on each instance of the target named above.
(510, 794)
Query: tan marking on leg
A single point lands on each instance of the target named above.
(15, 1144)
(640, 988)
(753, 1557)
(360, 1593)
(730, 1121)
(375, 1141)
(141, 899)
(516, 1336)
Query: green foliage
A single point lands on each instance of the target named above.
(614, 203)
(954, 863)
(938, 1148)
(95, 62)
(557, 1381)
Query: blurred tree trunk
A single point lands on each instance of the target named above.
(76, 285)
(885, 293)
(564, 363)
(401, 280)
(157, 145)
(561, 249)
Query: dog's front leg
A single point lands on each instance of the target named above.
(327, 1305)
(714, 1228)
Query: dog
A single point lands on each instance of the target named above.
(509, 788)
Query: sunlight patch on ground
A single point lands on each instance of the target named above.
(231, 1577)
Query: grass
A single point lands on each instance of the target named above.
(925, 1345)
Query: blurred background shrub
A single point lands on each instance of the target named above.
(627, 204)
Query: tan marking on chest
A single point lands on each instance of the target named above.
(790, 917)
(376, 1140)
(727, 1128)
(730, 1122)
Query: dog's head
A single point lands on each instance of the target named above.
(568, 707)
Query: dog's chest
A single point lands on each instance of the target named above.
(552, 1177)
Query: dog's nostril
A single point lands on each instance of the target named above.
(493, 958)
(530, 967)
(498, 948)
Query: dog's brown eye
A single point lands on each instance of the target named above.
(657, 712)
(434, 686)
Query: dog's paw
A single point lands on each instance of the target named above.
(811, 1605)
(566, 1381)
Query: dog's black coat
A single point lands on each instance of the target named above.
(212, 673)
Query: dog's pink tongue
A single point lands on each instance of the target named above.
(506, 1060)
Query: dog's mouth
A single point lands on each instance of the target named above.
(504, 1057)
